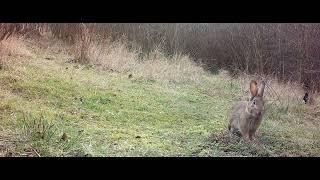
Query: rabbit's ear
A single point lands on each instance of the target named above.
(253, 88)
(261, 88)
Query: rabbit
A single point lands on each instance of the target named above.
(246, 116)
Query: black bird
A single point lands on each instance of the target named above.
(306, 98)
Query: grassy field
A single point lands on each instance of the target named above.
(108, 114)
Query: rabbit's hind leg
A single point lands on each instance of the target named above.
(252, 135)
(246, 136)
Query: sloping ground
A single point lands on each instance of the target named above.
(109, 114)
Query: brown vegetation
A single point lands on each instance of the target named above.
(288, 52)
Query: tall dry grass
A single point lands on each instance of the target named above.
(88, 44)
(177, 68)
(12, 49)
(126, 57)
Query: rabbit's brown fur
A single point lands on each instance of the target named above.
(246, 116)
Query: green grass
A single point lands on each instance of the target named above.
(107, 114)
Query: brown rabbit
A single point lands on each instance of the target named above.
(246, 115)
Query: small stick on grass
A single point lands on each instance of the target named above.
(36, 152)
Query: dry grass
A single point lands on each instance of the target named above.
(121, 56)
(14, 46)
(11, 49)
(117, 56)
(113, 56)
(179, 68)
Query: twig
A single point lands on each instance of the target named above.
(36, 152)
